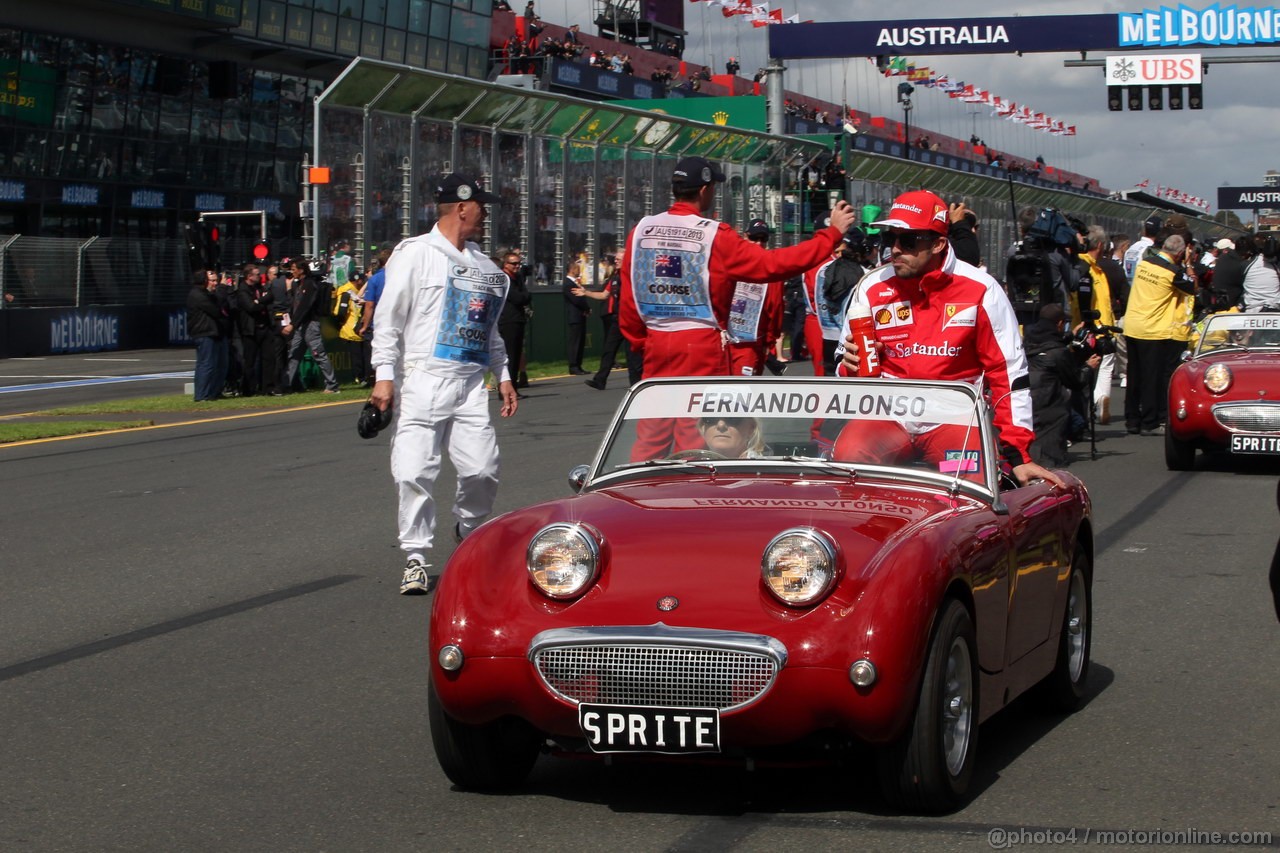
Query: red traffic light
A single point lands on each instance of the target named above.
(215, 233)
(261, 251)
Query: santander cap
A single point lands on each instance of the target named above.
(918, 210)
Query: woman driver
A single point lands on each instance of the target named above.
(732, 438)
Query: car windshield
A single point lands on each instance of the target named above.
(692, 425)
(1240, 331)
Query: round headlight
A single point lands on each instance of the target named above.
(1217, 378)
(563, 559)
(799, 566)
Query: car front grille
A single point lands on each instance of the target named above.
(1249, 417)
(669, 671)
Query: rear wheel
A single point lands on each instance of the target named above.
(930, 768)
(491, 757)
(1063, 688)
(1178, 455)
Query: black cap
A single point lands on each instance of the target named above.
(758, 228)
(458, 187)
(1153, 224)
(854, 238)
(691, 173)
(373, 420)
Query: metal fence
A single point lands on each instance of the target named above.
(53, 272)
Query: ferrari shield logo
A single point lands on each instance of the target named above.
(960, 314)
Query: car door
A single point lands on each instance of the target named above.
(1039, 559)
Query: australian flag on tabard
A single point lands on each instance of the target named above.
(739, 305)
(477, 308)
(668, 266)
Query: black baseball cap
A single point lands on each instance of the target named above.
(691, 173)
(456, 187)
(1155, 223)
(758, 228)
(854, 237)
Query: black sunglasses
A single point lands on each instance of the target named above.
(908, 241)
(734, 423)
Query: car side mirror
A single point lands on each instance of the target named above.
(1186, 355)
(578, 477)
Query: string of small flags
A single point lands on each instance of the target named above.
(759, 14)
(1173, 194)
(969, 93)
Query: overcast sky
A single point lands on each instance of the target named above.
(1232, 141)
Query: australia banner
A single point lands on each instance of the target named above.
(1248, 198)
(1161, 26)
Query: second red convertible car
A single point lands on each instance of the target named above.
(807, 566)
(1227, 394)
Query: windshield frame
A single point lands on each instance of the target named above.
(1237, 321)
(986, 490)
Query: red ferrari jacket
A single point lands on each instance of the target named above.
(733, 258)
(954, 323)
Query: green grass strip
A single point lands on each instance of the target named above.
(28, 431)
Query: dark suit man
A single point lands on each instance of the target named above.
(576, 311)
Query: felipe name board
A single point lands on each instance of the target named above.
(1154, 69)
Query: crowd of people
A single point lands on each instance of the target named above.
(254, 328)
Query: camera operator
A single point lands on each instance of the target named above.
(1057, 365)
(304, 328)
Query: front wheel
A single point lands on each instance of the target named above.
(491, 757)
(1063, 688)
(1178, 455)
(929, 769)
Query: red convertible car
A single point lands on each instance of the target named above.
(1226, 396)
(763, 568)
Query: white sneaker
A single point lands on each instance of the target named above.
(415, 578)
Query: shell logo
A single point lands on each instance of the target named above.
(883, 317)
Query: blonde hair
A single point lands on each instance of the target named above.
(755, 444)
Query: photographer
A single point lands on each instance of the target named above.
(1056, 365)
(1226, 286)
(1101, 312)
(1157, 326)
(308, 305)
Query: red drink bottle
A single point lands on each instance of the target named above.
(864, 335)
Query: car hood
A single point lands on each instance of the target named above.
(1252, 368)
(701, 541)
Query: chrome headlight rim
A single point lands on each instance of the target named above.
(588, 535)
(826, 545)
(1218, 379)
